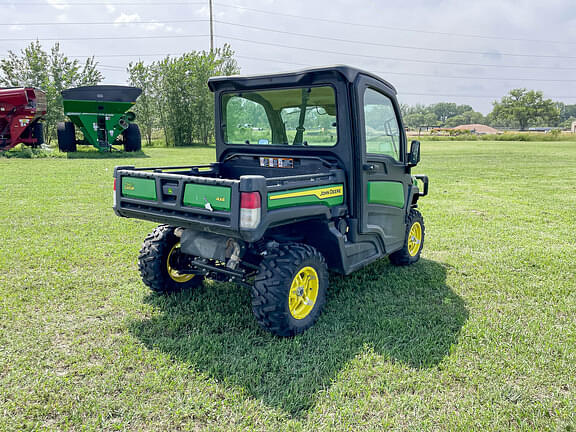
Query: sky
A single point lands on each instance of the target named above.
(464, 51)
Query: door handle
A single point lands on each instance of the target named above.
(369, 167)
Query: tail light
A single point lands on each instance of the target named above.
(250, 209)
(114, 194)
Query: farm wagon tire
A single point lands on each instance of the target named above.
(38, 133)
(159, 250)
(132, 138)
(66, 136)
(290, 288)
(413, 241)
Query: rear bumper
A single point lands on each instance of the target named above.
(169, 208)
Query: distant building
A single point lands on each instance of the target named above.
(479, 129)
(573, 127)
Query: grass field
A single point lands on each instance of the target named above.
(480, 335)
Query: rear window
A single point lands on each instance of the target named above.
(297, 116)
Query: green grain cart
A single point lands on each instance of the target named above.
(102, 114)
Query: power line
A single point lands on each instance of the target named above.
(299, 48)
(103, 38)
(426, 75)
(394, 28)
(394, 58)
(376, 26)
(96, 56)
(472, 96)
(390, 45)
(187, 21)
(115, 3)
(531, 55)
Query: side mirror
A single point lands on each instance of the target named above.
(414, 155)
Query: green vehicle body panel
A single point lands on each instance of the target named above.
(328, 195)
(84, 114)
(88, 106)
(197, 195)
(141, 188)
(386, 193)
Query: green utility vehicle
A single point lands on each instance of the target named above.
(101, 114)
(313, 175)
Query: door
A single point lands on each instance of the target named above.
(384, 174)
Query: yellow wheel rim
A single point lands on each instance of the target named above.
(414, 238)
(303, 292)
(172, 272)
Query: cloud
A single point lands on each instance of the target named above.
(153, 26)
(125, 18)
(58, 4)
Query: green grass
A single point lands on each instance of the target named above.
(480, 335)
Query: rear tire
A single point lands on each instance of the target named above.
(413, 242)
(132, 138)
(289, 290)
(66, 137)
(158, 260)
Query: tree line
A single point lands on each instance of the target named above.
(519, 109)
(177, 102)
(175, 98)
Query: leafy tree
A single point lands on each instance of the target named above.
(522, 107)
(49, 71)
(178, 97)
(444, 110)
(567, 114)
(140, 76)
(467, 117)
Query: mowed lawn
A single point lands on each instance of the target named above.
(479, 335)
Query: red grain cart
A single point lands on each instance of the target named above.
(21, 110)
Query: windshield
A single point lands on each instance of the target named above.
(297, 116)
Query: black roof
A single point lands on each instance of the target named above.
(349, 73)
(105, 93)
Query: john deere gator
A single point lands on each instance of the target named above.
(313, 175)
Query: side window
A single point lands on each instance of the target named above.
(382, 131)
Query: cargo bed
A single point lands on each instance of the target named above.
(198, 197)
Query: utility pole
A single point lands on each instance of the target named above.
(211, 28)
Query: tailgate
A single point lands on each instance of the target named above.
(177, 199)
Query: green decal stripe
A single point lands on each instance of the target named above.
(197, 195)
(386, 192)
(136, 187)
(328, 195)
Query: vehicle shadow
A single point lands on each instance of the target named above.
(120, 154)
(407, 315)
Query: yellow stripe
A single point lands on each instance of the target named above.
(323, 193)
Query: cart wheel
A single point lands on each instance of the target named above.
(413, 243)
(289, 291)
(159, 261)
(132, 138)
(38, 134)
(66, 137)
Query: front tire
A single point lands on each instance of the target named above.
(159, 260)
(413, 242)
(289, 290)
